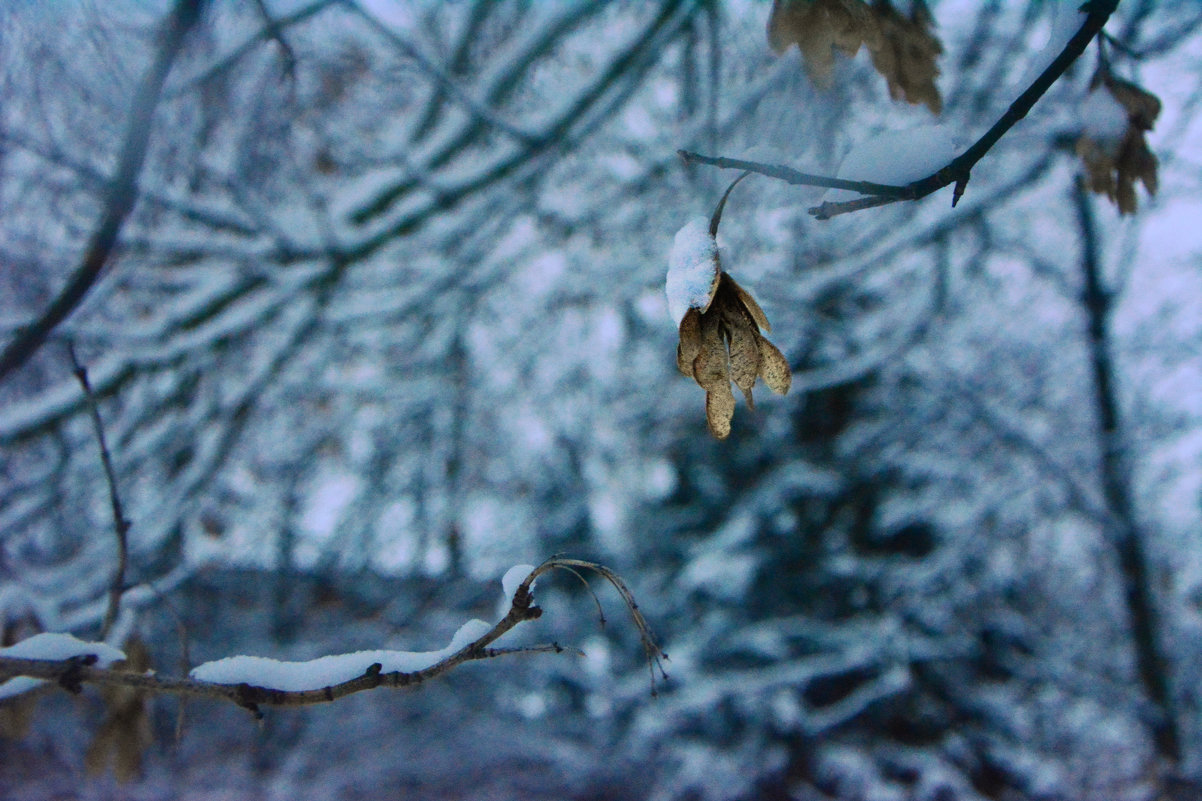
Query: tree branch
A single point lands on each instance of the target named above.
(71, 674)
(120, 522)
(121, 196)
(958, 170)
(1152, 663)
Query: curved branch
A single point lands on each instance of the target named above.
(958, 170)
(71, 674)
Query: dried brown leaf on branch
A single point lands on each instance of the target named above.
(1114, 163)
(720, 324)
(908, 56)
(724, 344)
(818, 28)
(903, 47)
(125, 734)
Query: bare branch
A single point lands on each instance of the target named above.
(791, 176)
(958, 170)
(120, 522)
(655, 656)
(121, 196)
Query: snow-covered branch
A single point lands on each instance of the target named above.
(253, 682)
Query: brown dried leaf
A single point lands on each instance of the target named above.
(852, 25)
(818, 27)
(908, 54)
(789, 22)
(774, 368)
(719, 410)
(690, 342)
(1099, 166)
(125, 733)
(1113, 170)
(16, 715)
(1138, 162)
(1142, 106)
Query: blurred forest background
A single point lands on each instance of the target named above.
(388, 318)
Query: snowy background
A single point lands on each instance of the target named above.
(389, 318)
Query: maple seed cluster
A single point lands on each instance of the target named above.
(722, 343)
(903, 47)
(1113, 167)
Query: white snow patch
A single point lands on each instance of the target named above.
(397, 16)
(1067, 19)
(57, 647)
(53, 648)
(692, 269)
(896, 158)
(327, 502)
(328, 671)
(1102, 118)
(639, 123)
(512, 579)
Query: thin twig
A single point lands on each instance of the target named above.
(958, 170)
(185, 654)
(591, 592)
(716, 217)
(789, 175)
(121, 196)
(121, 523)
(653, 653)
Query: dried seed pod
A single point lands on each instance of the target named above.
(724, 344)
(774, 368)
(690, 342)
(1114, 163)
(908, 56)
(818, 28)
(744, 342)
(719, 410)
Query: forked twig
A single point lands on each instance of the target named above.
(653, 653)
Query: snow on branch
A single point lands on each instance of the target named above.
(958, 170)
(253, 682)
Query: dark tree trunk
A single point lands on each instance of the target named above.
(1123, 529)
